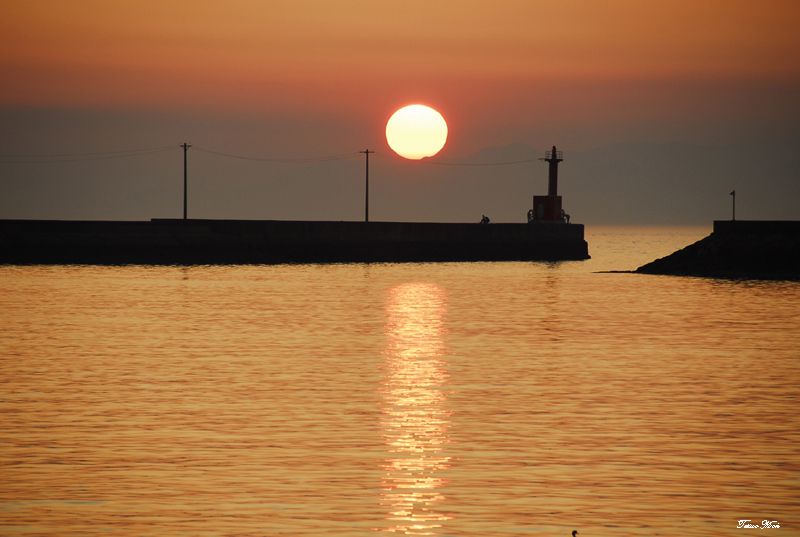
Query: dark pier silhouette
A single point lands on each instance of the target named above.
(194, 242)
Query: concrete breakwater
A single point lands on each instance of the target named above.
(754, 249)
(192, 242)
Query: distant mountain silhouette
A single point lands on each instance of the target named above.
(506, 153)
(642, 183)
(684, 183)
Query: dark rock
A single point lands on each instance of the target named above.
(761, 250)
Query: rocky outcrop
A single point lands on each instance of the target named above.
(767, 250)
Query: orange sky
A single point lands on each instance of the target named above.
(90, 50)
(484, 63)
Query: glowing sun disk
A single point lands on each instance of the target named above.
(416, 131)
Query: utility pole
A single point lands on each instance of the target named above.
(366, 204)
(734, 204)
(185, 146)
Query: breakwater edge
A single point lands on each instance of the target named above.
(738, 249)
(199, 242)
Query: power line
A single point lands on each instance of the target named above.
(185, 147)
(44, 159)
(94, 153)
(440, 163)
(366, 202)
(482, 163)
(109, 155)
(289, 160)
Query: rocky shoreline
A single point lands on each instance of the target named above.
(759, 250)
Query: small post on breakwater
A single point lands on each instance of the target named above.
(185, 147)
(366, 201)
(734, 204)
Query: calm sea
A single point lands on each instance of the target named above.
(470, 399)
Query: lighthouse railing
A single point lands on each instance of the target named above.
(549, 155)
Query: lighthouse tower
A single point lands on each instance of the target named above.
(548, 208)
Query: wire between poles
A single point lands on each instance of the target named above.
(109, 155)
(312, 159)
(146, 149)
(44, 159)
(439, 163)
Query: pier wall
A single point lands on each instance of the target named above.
(175, 241)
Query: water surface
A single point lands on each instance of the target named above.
(422, 399)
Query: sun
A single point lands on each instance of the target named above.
(416, 131)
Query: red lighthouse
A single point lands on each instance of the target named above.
(548, 208)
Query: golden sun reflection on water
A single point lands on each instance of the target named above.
(414, 419)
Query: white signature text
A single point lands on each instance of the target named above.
(764, 524)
